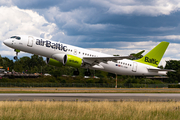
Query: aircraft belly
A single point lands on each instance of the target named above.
(117, 69)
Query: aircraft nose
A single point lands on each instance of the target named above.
(7, 42)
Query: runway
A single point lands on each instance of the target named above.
(89, 97)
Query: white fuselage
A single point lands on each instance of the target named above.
(47, 48)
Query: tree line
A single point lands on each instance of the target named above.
(36, 64)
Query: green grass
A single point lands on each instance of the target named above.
(49, 110)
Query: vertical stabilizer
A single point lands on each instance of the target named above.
(154, 57)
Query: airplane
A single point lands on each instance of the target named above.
(58, 54)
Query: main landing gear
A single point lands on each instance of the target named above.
(87, 73)
(15, 57)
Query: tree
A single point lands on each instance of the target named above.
(6, 62)
(1, 61)
(173, 76)
(18, 67)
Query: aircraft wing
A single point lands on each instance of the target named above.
(157, 70)
(97, 60)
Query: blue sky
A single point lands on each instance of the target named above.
(110, 26)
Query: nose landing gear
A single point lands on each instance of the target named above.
(17, 51)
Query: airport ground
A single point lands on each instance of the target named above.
(89, 94)
(44, 103)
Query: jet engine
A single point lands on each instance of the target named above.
(53, 62)
(65, 59)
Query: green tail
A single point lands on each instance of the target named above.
(154, 56)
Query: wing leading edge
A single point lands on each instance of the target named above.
(97, 60)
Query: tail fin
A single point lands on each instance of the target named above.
(154, 56)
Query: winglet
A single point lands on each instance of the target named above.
(155, 55)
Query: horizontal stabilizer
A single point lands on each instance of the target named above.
(138, 54)
(157, 70)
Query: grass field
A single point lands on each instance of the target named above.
(87, 90)
(49, 110)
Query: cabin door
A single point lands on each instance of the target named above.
(134, 68)
(30, 41)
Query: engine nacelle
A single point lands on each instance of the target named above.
(69, 60)
(73, 61)
(53, 62)
(59, 57)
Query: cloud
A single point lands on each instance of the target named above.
(140, 7)
(172, 51)
(93, 25)
(39, 4)
(6, 2)
(126, 48)
(168, 37)
(107, 25)
(18, 21)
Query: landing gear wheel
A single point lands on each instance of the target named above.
(76, 72)
(15, 57)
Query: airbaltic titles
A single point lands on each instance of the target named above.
(53, 45)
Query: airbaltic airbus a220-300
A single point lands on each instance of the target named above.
(59, 54)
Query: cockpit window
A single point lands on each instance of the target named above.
(16, 37)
